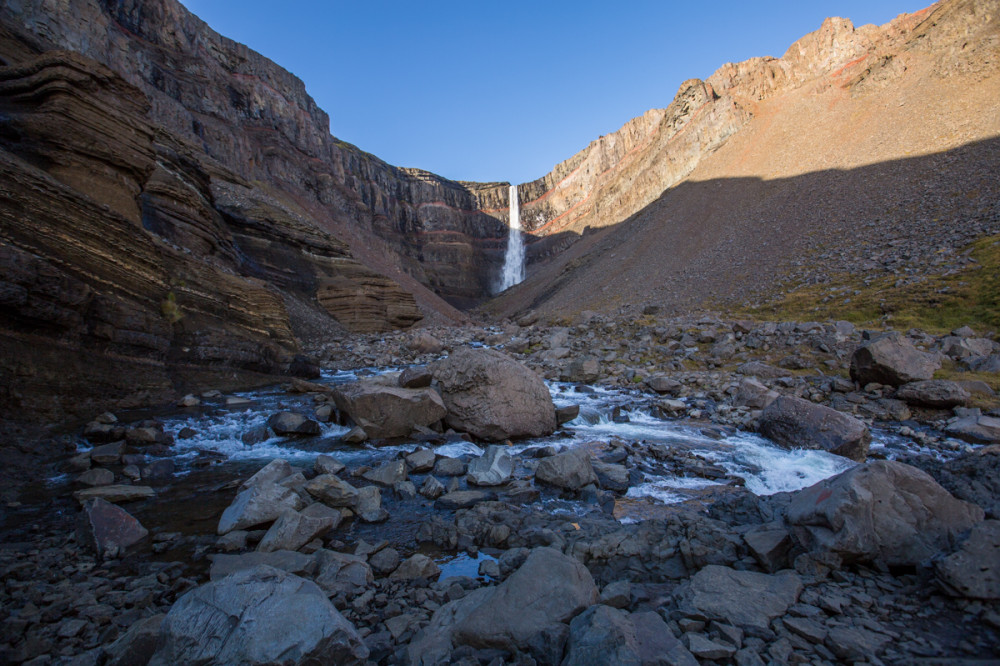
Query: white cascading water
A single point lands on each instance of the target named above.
(513, 261)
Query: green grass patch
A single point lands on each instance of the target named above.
(935, 303)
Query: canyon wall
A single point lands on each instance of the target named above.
(245, 112)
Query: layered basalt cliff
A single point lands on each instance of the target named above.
(256, 118)
(132, 266)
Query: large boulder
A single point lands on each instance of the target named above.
(939, 393)
(491, 396)
(891, 359)
(746, 599)
(528, 612)
(108, 529)
(258, 505)
(796, 423)
(883, 510)
(548, 589)
(257, 616)
(384, 411)
(293, 424)
(974, 569)
(493, 468)
(570, 470)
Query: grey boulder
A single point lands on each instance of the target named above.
(746, 599)
(797, 423)
(257, 505)
(493, 468)
(491, 396)
(257, 616)
(939, 393)
(883, 510)
(108, 529)
(388, 411)
(891, 359)
(974, 569)
(570, 470)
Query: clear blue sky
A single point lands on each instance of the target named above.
(489, 91)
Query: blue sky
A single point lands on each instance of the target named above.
(488, 91)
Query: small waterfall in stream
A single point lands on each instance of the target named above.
(513, 262)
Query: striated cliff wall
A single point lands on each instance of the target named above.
(254, 117)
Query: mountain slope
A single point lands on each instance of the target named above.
(829, 162)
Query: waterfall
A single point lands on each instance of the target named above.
(513, 261)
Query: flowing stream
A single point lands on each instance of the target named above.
(513, 262)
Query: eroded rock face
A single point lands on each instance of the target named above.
(490, 395)
(797, 423)
(881, 510)
(257, 616)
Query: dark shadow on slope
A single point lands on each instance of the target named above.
(736, 242)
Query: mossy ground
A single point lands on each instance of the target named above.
(934, 303)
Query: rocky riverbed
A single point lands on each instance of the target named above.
(609, 490)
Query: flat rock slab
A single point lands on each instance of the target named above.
(115, 494)
(463, 499)
(746, 599)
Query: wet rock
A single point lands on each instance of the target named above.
(449, 467)
(891, 359)
(115, 494)
(333, 491)
(328, 465)
(743, 598)
(257, 505)
(96, 432)
(491, 396)
(293, 424)
(272, 472)
(567, 413)
(797, 423)
(108, 529)
(416, 566)
(973, 570)
(431, 488)
(421, 460)
(137, 645)
(979, 429)
(611, 476)
(96, 477)
(255, 435)
(107, 454)
(463, 499)
(938, 393)
(158, 470)
(369, 506)
(355, 435)
(388, 411)
(414, 378)
(493, 468)
(570, 470)
(285, 560)
(325, 413)
(257, 616)
(147, 436)
(881, 510)
(292, 530)
(387, 474)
